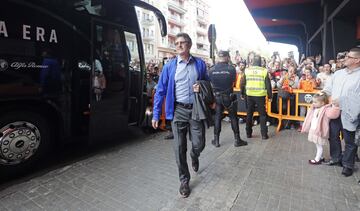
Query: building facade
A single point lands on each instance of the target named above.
(190, 16)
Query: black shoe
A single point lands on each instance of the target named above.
(347, 172)
(248, 135)
(357, 159)
(184, 189)
(215, 141)
(195, 164)
(333, 163)
(239, 143)
(264, 137)
(169, 136)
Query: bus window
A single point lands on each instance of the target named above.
(112, 53)
(133, 51)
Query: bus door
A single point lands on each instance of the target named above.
(136, 77)
(109, 90)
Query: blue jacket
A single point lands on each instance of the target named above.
(166, 87)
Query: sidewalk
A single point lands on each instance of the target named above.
(265, 175)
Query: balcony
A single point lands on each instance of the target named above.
(202, 19)
(148, 37)
(202, 48)
(201, 31)
(173, 33)
(202, 41)
(177, 6)
(203, 51)
(176, 20)
(147, 22)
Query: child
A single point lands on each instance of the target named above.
(317, 123)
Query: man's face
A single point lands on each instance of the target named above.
(351, 59)
(182, 46)
(327, 68)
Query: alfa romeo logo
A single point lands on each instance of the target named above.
(308, 98)
(3, 65)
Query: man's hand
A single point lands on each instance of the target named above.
(213, 105)
(242, 97)
(196, 88)
(155, 123)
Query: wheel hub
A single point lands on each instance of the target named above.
(19, 141)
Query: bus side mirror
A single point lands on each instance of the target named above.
(82, 65)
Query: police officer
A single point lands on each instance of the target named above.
(256, 84)
(223, 76)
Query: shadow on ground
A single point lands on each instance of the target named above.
(74, 152)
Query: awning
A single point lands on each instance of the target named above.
(301, 22)
(286, 21)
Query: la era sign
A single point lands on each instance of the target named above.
(40, 33)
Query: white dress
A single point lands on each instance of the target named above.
(312, 137)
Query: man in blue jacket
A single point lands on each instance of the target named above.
(177, 85)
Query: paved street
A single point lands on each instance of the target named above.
(142, 175)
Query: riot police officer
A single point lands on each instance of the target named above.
(256, 84)
(223, 76)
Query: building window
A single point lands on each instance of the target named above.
(200, 12)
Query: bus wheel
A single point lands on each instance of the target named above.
(24, 139)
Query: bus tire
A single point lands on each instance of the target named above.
(25, 138)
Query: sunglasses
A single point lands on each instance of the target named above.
(347, 56)
(180, 43)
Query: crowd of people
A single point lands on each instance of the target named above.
(334, 112)
(181, 84)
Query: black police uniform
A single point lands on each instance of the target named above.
(223, 76)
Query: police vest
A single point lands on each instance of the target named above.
(255, 81)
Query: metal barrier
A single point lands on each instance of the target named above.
(302, 98)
